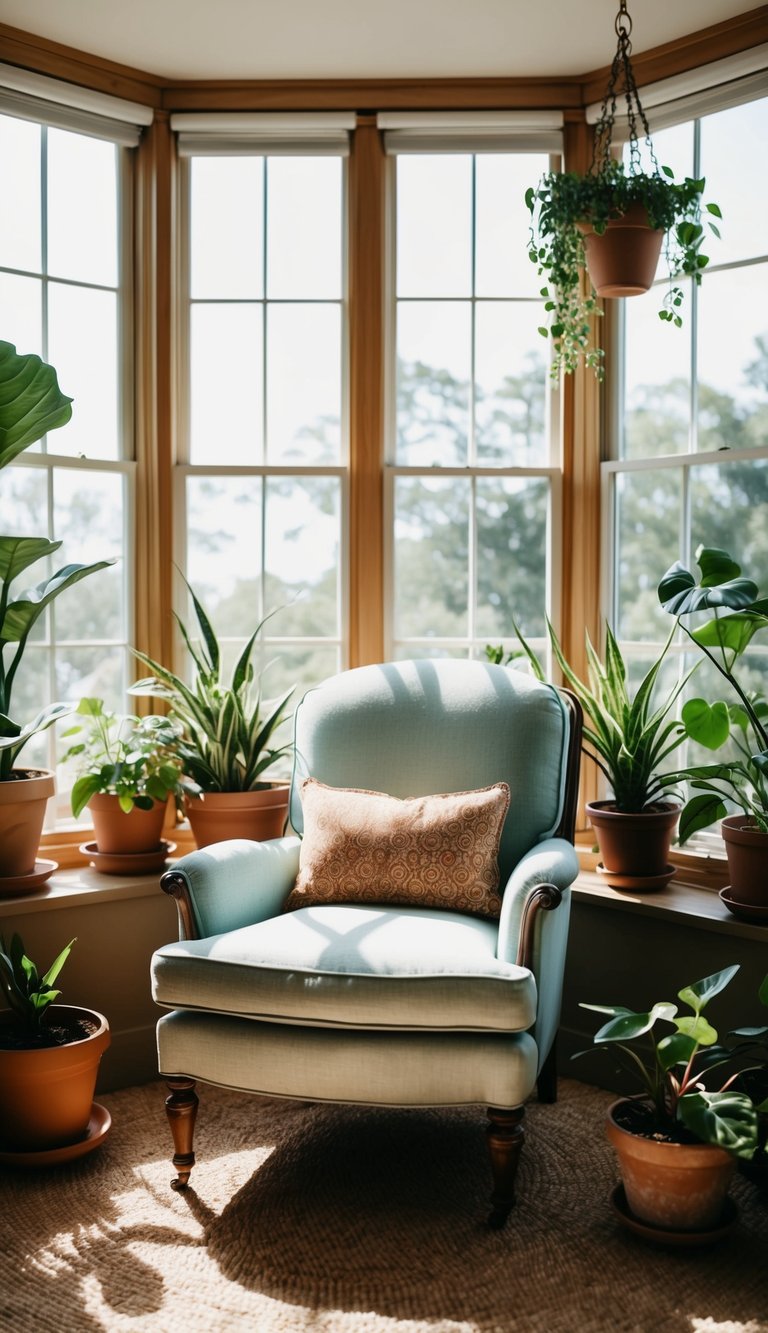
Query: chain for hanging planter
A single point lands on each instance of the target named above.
(612, 222)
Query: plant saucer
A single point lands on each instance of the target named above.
(641, 883)
(662, 1236)
(128, 863)
(12, 885)
(746, 911)
(96, 1132)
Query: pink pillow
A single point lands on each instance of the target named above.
(425, 851)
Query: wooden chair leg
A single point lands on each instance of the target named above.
(505, 1141)
(181, 1108)
(546, 1083)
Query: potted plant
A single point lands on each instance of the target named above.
(678, 1140)
(128, 768)
(739, 613)
(228, 739)
(628, 737)
(31, 404)
(49, 1059)
(610, 223)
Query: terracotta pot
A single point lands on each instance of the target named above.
(633, 846)
(22, 811)
(623, 261)
(46, 1094)
(257, 815)
(118, 832)
(675, 1186)
(747, 851)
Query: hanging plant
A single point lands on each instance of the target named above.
(616, 213)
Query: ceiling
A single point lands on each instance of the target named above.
(304, 39)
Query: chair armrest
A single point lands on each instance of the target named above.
(231, 884)
(539, 940)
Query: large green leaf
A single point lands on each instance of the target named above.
(709, 724)
(627, 1026)
(679, 593)
(699, 813)
(18, 553)
(701, 992)
(733, 632)
(727, 1119)
(31, 402)
(20, 615)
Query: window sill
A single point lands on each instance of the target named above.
(679, 903)
(81, 886)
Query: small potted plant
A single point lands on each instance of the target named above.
(127, 767)
(587, 223)
(628, 737)
(678, 1140)
(740, 612)
(31, 404)
(228, 743)
(49, 1059)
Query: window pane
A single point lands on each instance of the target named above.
(502, 223)
(673, 148)
(648, 527)
(511, 555)
(657, 371)
(434, 225)
(431, 557)
(227, 227)
(304, 228)
(433, 377)
(21, 306)
(728, 141)
(226, 384)
(224, 550)
(82, 344)
(82, 238)
(20, 173)
(91, 672)
(733, 359)
(729, 504)
(88, 517)
(24, 502)
(302, 554)
(304, 383)
(511, 389)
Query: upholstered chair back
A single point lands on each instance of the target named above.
(420, 727)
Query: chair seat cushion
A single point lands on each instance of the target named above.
(353, 967)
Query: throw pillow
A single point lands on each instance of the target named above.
(425, 851)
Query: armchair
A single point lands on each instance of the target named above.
(386, 1002)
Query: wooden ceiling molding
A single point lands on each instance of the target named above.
(42, 56)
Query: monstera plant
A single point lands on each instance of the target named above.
(31, 405)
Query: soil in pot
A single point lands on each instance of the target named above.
(23, 799)
(633, 847)
(747, 851)
(256, 815)
(623, 260)
(675, 1185)
(46, 1092)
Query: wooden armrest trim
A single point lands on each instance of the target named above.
(542, 897)
(176, 887)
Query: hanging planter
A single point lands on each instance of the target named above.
(611, 224)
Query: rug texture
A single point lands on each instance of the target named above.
(347, 1220)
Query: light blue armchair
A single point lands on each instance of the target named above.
(381, 1003)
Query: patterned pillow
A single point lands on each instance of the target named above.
(425, 851)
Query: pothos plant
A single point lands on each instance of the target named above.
(133, 758)
(564, 204)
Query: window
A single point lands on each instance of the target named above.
(64, 276)
(473, 445)
(689, 462)
(261, 491)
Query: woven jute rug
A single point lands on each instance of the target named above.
(347, 1220)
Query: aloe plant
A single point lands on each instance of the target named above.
(31, 404)
(739, 613)
(628, 737)
(675, 1068)
(229, 730)
(28, 994)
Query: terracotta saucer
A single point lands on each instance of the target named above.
(641, 883)
(18, 884)
(128, 863)
(98, 1128)
(746, 911)
(660, 1236)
